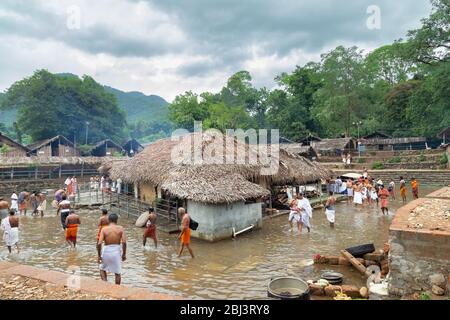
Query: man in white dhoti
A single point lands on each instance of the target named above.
(306, 210)
(110, 257)
(15, 202)
(330, 209)
(10, 226)
(357, 197)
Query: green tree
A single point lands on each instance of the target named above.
(51, 104)
(337, 101)
(185, 109)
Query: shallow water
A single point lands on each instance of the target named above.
(231, 269)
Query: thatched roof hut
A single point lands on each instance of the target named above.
(106, 148)
(58, 146)
(11, 148)
(132, 147)
(300, 150)
(334, 146)
(198, 168)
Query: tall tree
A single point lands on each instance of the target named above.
(51, 104)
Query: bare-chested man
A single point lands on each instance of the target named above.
(4, 208)
(111, 257)
(10, 226)
(102, 222)
(185, 234)
(72, 222)
(330, 209)
(150, 231)
(64, 209)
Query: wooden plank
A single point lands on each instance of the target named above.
(358, 265)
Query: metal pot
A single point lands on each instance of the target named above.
(288, 288)
(333, 277)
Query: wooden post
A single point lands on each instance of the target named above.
(60, 169)
(358, 265)
(12, 173)
(36, 173)
(82, 169)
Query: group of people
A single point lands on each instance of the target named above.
(20, 203)
(365, 190)
(71, 185)
(300, 213)
(105, 183)
(347, 159)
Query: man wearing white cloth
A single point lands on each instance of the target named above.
(330, 209)
(306, 210)
(10, 226)
(357, 197)
(114, 252)
(14, 202)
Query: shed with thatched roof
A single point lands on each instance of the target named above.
(301, 150)
(334, 147)
(390, 144)
(445, 135)
(222, 183)
(58, 146)
(106, 148)
(9, 148)
(132, 147)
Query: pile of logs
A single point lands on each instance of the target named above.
(377, 258)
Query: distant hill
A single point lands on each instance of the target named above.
(139, 106)
(136, 104)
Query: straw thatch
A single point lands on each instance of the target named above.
(299, 149)
(169, 164)
(7, 140)
(334, 144)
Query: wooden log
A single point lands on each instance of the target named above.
(358, 265)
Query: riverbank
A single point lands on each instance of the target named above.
(21, 282)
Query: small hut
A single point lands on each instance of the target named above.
(9, 148)
(334, 147)
(58, 146)
(106, 148)
(132, 147)
(218, 193)
(300, 150)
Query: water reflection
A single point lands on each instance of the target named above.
(231, 269)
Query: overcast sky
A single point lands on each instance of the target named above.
(168, 47)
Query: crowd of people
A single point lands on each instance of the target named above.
(111, 239)
(365, 191)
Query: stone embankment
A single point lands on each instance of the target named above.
(21, 282)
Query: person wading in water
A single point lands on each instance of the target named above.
(330, 209)
(185, 234)
(150, 231)
(383, 194)
(102, 222)
(10, 226)
(110, 257)
(64, 208)
(72, 222)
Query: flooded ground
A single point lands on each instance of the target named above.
(231, 269)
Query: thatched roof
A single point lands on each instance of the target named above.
(109, 142)
(393, 141)
(169, 164)
(39, 144)
(309, 139)
(377, 135)
(134, 145)
(299, 149)
(49, 161)
(12, 142)
(333, 144)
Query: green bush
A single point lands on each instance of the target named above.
(377, 165)
(4, 149)
(396, 159)
(422, 157)
(444, 159)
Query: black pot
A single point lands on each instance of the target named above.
(288, 288)
(333, 277)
